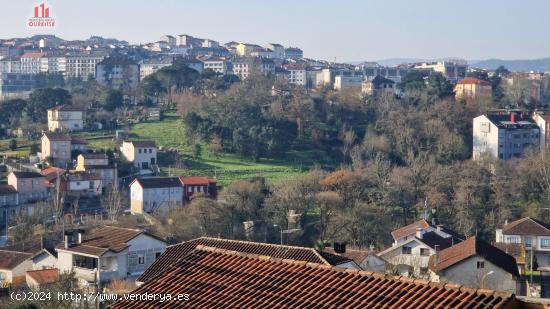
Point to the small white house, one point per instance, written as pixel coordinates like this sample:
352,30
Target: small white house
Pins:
13,266
44,259
142,154
151,194
65,118
108,253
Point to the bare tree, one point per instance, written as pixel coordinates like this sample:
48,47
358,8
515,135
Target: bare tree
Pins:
112,202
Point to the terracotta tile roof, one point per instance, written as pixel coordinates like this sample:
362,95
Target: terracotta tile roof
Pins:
27,175
409,229
67,108
57,137
471,247
515,250
32,55
356,255
218,278
176,252
103,239
10,259
44,276
474,81
197,180
51,172
526,226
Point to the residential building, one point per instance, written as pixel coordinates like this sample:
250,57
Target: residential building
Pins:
82,65
504,135
37,279
297,74
10,65
473,88
278,50
170,40
118,71
16,85
377,86
371,70
157,193
150,66
208,43
306,255
108,253
517,251
30,186
198,184
253,280
65,118
542,119
8,197
243,67
452,70
13,266
414,244
532,233
367,259
293,53
30,62
217,64
82,184
347,81
98,164
246,50
53,64
185,40
475,264
56,148
44,259
143,154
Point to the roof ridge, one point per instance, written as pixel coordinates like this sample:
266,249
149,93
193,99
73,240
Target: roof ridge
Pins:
347,270
257,243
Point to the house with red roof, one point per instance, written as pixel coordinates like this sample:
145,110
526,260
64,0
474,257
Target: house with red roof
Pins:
39,278
473,88
198,184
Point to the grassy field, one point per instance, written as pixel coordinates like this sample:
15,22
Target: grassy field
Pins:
170,133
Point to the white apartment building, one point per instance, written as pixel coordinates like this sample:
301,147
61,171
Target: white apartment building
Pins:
142,154
30,62
10,65
53,64
118,72
452,70
347,81
153,194
218,65
297,74
150,66
504,135
278,50
82,65
169,39
65,118
542,119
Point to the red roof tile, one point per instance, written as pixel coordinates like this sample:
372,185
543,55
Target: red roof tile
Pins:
474,81
44,276
176,252
217,278
196,180
526,226
473,246
10,259
409,229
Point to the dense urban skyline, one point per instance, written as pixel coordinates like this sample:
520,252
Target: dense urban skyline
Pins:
347,30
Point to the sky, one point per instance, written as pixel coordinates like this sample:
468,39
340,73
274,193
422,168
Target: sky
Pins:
345,30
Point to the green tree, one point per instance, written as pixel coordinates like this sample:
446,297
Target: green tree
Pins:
40,100
113,99
197,151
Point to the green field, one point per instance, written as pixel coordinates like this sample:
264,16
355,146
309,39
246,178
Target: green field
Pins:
170,133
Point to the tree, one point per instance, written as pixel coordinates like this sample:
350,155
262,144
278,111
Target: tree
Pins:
13,144
439,86
215,147
112,201
196,151
113,99
40,100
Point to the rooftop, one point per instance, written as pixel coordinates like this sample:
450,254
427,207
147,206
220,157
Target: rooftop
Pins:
56,137
44,276
150,144
158,182
10,259
526,226
225,279
176,252
474,81
473,246
27,174
67,108
197,180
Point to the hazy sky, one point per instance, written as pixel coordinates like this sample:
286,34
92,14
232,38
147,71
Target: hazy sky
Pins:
346,29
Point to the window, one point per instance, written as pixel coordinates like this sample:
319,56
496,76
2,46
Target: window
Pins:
424,251
157,255
139,150
406,250
513,239
189,189
84,262
141,259
545,243
527,241
480,264
150,150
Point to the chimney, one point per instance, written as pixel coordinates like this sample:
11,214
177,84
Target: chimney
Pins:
339,247
506,222
80,233
439,227
66,240
418,233
513,117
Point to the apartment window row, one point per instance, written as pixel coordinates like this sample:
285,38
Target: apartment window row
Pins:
145,150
